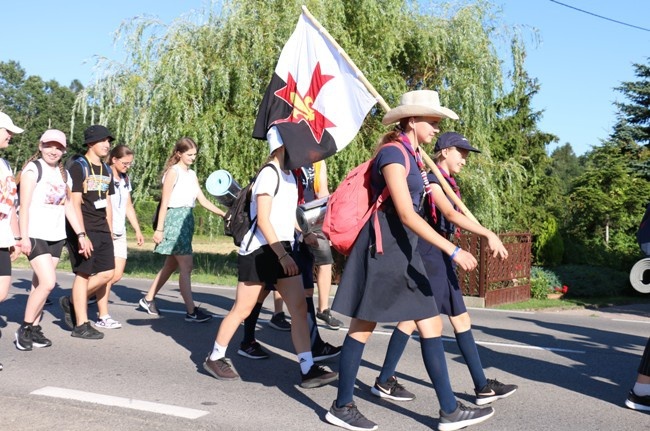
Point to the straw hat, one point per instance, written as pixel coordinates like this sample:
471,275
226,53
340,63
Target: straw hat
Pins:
418,103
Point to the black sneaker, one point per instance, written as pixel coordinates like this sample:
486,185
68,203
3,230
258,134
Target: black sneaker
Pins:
637,402
252,350
38,339
87,331
69,316
331,321
325,351
317,376
279,322
392,390
24,338
463,416
349,417
493,391
198,316
92,300
149,307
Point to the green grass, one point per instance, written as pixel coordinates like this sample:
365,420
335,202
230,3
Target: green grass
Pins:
574,303
215,262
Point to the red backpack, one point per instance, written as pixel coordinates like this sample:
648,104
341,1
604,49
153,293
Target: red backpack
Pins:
351,205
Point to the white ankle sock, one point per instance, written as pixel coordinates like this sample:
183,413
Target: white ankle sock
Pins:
218,352
306,360
642,389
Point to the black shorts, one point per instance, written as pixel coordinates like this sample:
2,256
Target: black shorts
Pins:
102,258
41,246
262,265
322,253
5,262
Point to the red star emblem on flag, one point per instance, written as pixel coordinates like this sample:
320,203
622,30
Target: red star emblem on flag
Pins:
302,104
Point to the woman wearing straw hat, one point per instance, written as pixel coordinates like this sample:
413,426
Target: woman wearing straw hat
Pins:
394,286
451,153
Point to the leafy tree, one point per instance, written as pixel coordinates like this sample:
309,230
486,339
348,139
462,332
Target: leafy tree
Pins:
636,112
207,80
35,106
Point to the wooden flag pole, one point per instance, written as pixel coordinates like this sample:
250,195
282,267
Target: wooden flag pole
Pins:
427,160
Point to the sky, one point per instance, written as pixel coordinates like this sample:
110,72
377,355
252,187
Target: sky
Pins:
577,58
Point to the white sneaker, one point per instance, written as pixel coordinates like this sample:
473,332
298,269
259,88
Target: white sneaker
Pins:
108,323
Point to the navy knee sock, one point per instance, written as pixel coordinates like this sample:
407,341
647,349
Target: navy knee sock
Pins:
468,348
433,355
250,323
349,363
396,347
314,336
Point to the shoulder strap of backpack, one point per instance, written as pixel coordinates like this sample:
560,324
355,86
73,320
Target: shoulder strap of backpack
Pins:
384,195
277,188
39,169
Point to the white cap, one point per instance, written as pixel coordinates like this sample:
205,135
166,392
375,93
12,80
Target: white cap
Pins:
6,123
274,139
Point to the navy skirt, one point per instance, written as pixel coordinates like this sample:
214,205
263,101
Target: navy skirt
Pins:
443,279
388,287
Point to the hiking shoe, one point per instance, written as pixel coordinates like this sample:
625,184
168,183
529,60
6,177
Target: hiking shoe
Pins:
463,416
325,351
317,376
197,316
392,390
349,417
637,402
493,391
69,316
24,338
87,331
108,323
149,307
221,369
279,322
38,339
331,321
252,350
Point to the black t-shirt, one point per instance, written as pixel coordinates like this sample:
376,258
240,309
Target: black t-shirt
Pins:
94,185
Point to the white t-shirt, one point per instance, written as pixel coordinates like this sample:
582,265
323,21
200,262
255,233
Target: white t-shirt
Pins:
7,199
118,202
283,208
47,208
185,190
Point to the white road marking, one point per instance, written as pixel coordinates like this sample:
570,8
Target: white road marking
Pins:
128,403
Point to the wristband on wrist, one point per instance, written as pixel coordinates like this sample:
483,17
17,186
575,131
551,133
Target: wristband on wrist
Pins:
283,256
81,234
18,238
158,230
456,250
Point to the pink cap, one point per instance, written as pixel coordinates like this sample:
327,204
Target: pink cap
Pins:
54,135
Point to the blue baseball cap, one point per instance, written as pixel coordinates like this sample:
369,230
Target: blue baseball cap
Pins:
453,139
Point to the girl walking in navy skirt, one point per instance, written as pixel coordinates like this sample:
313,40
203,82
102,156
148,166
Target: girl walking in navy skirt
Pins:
394,286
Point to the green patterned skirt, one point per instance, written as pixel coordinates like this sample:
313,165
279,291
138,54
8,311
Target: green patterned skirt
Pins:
178,232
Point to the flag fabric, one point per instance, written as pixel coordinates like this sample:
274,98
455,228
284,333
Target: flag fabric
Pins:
314,99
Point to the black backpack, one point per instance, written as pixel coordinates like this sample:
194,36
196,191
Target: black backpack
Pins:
237,221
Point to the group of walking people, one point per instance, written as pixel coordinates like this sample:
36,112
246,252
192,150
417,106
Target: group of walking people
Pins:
411,282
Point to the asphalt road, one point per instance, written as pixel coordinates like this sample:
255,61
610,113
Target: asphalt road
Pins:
574,370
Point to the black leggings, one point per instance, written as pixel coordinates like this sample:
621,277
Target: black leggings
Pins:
644,366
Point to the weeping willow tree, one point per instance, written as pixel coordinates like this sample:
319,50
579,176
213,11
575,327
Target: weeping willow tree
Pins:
204,76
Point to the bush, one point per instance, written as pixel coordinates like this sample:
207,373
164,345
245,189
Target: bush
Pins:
542,282
594,281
